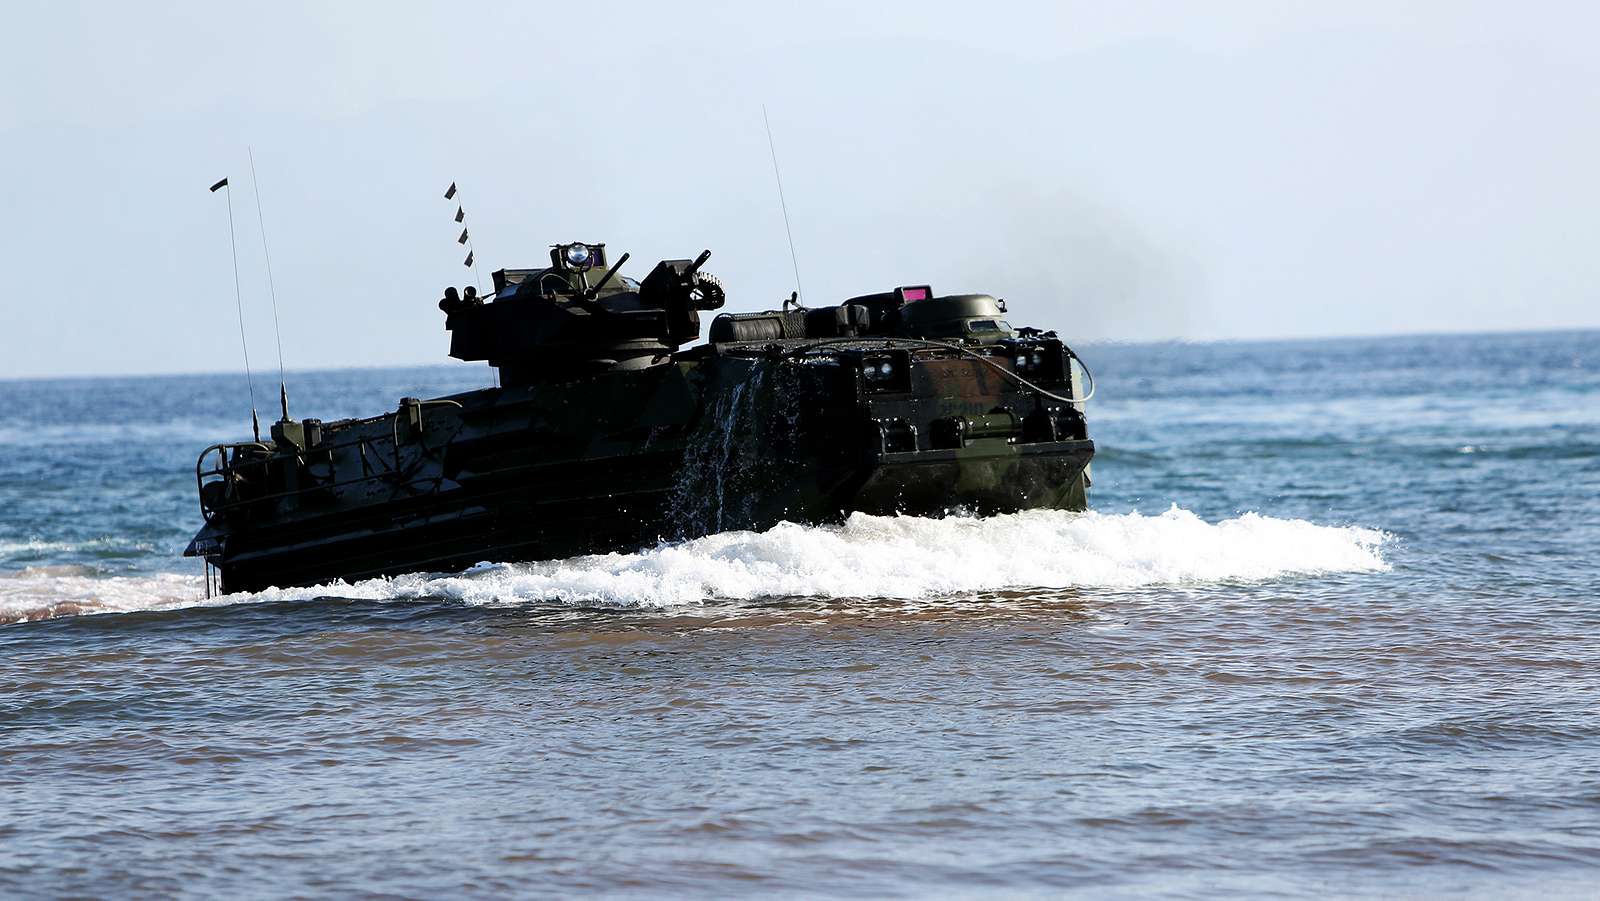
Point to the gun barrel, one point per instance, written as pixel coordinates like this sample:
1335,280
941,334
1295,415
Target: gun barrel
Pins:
605,279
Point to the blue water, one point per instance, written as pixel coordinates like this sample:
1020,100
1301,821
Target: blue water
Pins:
1333,628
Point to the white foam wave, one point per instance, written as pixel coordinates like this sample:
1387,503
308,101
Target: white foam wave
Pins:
36,547
46,592
866,557
185,431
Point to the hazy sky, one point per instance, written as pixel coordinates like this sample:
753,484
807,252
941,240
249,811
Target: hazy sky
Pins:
1115,170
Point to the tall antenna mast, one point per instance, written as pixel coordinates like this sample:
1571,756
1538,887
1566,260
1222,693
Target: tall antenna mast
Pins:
772,146
238,302
466,237
283,389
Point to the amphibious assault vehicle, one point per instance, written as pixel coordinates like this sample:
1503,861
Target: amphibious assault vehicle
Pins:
612,429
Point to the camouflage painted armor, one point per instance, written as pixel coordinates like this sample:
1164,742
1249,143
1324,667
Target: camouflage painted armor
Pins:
608,434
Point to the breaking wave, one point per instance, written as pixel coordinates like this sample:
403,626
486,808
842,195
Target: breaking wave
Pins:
897,557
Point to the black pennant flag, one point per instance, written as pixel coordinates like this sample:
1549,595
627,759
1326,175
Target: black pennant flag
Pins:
463,238
219,186
450,193
460,214
468,260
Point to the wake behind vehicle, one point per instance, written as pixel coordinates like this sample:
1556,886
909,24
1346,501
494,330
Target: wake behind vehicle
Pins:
607,433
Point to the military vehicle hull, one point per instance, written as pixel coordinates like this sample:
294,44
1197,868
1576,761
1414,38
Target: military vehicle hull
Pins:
608,435
628,459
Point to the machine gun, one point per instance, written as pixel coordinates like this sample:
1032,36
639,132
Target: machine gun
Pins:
682,290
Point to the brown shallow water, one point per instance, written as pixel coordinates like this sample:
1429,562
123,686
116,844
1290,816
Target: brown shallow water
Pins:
1255,738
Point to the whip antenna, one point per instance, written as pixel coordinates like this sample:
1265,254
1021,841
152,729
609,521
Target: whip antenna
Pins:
283,385
772,146
238,302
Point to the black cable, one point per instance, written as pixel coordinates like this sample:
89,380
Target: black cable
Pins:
924,342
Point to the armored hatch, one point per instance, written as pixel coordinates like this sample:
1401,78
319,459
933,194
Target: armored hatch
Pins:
955,316
908,312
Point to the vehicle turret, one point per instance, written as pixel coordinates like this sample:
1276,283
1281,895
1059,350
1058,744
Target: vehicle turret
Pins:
578,316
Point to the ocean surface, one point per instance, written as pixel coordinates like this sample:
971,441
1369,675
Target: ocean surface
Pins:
1333,628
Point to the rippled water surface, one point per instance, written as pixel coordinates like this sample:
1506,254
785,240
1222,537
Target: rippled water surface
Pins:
1333,629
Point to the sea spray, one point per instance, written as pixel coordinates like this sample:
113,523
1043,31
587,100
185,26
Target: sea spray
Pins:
898,557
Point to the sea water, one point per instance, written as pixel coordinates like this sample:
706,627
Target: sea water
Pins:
1333,627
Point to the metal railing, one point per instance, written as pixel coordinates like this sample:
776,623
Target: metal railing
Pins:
232,473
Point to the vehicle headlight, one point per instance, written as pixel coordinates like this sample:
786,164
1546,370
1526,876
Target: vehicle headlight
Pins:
577,255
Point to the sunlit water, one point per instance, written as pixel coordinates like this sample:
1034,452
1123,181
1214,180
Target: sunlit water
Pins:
1334,628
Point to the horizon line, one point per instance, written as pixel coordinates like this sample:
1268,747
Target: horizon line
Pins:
1117,342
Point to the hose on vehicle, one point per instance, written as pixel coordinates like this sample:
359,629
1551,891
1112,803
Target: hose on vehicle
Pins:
945,345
